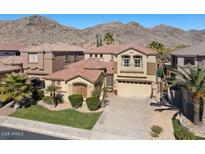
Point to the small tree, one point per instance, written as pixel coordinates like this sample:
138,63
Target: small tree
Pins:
193,79
15,86
108,38
52,90
157,46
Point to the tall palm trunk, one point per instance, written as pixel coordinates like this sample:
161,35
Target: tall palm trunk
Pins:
196,116
198,111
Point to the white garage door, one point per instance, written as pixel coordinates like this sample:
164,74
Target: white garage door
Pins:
131,89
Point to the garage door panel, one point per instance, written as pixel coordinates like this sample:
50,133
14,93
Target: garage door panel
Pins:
134,89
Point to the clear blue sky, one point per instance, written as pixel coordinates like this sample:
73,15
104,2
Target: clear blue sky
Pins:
79,21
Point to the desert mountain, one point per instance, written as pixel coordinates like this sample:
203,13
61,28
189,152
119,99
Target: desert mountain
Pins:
38,29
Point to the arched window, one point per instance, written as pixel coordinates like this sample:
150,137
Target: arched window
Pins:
126,61
137,61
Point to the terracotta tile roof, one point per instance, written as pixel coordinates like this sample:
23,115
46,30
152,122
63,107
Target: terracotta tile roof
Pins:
117,49
92,64
71,73
89,69
53,47
6,46
6,69
11,60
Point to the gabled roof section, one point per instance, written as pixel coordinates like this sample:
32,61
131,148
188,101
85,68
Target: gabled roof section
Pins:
10,46
117,49
195,50
71,73
57,47
92,64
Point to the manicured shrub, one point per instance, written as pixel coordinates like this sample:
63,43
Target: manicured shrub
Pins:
38,94
93,103
47,99
156,129
76,100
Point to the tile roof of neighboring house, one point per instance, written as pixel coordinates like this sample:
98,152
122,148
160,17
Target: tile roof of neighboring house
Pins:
11,60
71,73
92,64
117,49
9,46
198,49
89,69
52,47
7,69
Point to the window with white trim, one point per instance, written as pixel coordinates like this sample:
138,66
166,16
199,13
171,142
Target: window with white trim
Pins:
126,61
33,58
137,61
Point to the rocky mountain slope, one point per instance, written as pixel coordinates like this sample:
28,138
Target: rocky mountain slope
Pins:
37,29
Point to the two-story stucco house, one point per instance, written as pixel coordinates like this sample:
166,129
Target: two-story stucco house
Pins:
134,67
129,70
41,60
194,55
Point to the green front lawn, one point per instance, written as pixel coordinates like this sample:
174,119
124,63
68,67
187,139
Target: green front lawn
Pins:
182,133
68,117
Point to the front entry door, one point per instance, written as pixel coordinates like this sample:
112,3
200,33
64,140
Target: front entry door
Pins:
80,88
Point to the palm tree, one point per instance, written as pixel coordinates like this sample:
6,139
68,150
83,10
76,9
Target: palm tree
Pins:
159,47
15,86
192,79
108,38
52,90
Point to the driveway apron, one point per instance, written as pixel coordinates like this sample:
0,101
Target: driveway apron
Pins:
125,118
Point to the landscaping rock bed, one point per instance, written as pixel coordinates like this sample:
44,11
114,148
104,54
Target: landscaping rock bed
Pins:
198,130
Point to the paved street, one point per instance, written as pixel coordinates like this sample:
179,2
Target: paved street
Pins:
15,134
125,118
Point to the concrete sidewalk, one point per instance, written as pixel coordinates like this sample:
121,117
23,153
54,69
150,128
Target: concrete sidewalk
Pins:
45,128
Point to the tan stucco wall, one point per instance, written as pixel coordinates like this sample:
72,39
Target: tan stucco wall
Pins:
134,74
67,87
44,65
106,57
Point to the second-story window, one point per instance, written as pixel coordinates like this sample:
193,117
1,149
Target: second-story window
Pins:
91,55
96,55
126,61
66,58
101,55
137,61
33,58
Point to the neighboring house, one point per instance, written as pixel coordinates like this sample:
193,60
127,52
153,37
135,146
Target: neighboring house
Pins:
81,77
10,49
194,55
41,60
10,59
8,69
134,67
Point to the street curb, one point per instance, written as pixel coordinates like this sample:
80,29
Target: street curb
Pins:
45,128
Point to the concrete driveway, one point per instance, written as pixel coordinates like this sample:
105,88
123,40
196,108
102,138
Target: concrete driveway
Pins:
125,118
